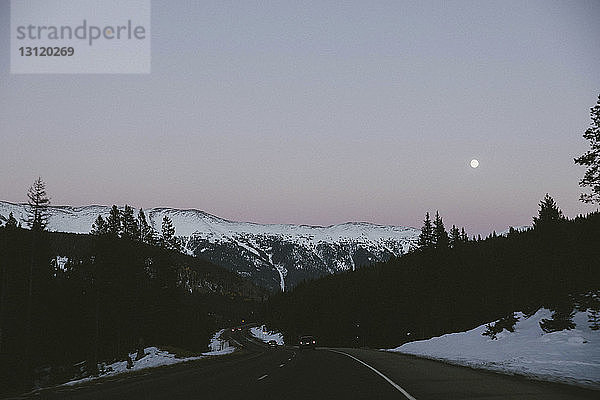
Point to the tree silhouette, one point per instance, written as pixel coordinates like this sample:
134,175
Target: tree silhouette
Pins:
37,206
144,229
11,223
99,227
168,238
562,318
549,214
426,236
129,228
114,222
591,158
440,236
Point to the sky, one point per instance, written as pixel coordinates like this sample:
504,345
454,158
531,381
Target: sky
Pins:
321,113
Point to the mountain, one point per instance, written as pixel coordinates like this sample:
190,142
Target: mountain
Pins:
273,256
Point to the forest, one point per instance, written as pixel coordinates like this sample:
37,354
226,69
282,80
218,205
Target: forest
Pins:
69,298
451,286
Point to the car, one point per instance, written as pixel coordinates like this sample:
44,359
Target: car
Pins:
272,344
307,342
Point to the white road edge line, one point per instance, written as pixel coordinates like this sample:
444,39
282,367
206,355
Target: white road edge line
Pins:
391,382
262,377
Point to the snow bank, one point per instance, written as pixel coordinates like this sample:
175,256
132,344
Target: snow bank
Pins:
261,333
569,356
219,346
155,357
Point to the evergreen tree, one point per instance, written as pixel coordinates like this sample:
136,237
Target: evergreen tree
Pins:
562,318
592,304
426,236
11,223
113,222
153,237
168,238
129,228
591,159
463,235
144,230
594,319
99,227
549,214
37,206
508,322
440,236
454,236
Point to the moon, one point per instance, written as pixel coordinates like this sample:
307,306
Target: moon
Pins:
474,163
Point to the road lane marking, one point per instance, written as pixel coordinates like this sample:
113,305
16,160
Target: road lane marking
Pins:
391,382
262,377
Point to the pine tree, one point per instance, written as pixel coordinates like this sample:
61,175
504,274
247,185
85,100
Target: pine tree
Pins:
129,229
454,237
153,237
113,222
562,318
144,230
426,236
168,238
594,319
591,159
11,223
440,236
507,322
99,227
463,235
549,214
37,206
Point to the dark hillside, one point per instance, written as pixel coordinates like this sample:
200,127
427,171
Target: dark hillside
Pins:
65,298
428,293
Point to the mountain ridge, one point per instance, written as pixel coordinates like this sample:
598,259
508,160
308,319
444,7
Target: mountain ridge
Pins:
275,256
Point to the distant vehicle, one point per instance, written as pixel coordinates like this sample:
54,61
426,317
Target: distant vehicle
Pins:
272,343
307,342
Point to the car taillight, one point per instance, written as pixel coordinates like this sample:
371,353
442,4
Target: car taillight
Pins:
314,342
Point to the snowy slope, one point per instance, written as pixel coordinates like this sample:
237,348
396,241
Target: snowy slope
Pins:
274,255
569,356
261,333
155,357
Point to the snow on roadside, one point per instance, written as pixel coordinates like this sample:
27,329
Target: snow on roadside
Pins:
569,356
219,346
261,333
155,357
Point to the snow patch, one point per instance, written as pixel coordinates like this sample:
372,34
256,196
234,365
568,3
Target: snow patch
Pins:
219,346
569,356
155,357
261,333
282,273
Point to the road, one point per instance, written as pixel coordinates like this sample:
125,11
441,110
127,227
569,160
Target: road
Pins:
257,372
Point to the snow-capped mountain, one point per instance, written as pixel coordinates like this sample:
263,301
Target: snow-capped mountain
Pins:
273,256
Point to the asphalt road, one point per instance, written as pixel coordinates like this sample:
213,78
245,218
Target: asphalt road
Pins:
257,372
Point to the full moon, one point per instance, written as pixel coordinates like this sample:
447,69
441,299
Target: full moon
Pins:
474,163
